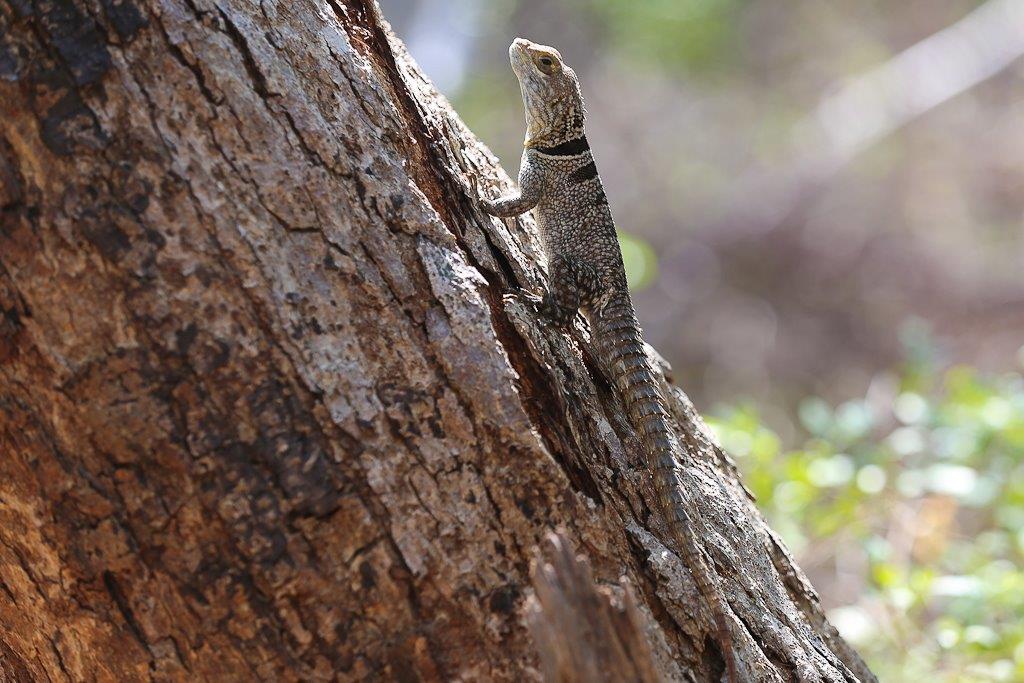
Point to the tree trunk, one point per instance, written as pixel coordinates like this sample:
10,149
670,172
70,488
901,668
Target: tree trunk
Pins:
264,412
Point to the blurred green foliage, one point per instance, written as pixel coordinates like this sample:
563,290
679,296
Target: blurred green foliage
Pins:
697,34
640,260
918,501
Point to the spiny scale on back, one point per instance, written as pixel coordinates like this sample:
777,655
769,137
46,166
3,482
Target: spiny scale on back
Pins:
558,177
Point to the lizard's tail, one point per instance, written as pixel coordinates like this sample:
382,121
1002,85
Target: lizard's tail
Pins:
622,350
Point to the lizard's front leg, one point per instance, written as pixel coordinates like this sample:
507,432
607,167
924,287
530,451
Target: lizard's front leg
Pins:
531,188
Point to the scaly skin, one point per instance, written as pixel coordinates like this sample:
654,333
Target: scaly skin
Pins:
557,176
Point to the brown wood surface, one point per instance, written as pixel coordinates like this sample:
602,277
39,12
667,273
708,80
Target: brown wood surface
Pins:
264,411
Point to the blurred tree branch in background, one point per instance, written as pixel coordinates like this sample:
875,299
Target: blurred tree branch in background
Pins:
872,106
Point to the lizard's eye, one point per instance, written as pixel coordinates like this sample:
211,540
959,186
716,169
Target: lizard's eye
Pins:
547,64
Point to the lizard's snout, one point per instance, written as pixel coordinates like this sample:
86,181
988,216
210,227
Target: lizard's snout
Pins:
517,52
518,47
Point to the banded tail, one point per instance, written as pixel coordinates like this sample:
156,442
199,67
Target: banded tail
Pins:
622,349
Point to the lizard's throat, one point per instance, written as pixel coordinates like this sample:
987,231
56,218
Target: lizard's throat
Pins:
554,130
546,136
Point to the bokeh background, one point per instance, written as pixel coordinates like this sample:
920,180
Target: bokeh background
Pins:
821,206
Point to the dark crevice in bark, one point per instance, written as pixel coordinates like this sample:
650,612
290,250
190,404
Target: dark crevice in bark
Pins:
8,592
256,76
197,72
779,660
262,87
836,651
377,49
711,658
27,569
117,594
342,67
646,583
547,416
60,659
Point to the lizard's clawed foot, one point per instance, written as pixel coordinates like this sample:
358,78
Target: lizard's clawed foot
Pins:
523,296
603,301
485,205
559,316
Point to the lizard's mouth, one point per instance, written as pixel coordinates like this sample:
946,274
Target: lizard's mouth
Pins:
519,45
517,51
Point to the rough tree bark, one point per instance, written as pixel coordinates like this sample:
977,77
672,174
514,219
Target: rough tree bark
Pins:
264,412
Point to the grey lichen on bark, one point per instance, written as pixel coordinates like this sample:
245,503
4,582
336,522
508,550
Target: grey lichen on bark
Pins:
265,412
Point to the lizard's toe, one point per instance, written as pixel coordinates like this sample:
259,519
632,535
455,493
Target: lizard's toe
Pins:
526,297
485,205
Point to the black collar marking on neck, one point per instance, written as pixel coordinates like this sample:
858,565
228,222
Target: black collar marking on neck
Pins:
567,149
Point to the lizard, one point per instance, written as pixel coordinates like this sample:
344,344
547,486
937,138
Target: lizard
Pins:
558,179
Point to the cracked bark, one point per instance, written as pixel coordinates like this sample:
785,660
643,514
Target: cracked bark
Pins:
264,412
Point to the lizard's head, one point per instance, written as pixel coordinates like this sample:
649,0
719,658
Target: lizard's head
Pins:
551,94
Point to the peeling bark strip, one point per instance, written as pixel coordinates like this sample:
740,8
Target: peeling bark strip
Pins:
583,632
264,412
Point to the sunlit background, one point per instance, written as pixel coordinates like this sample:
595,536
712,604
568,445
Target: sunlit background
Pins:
821,207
